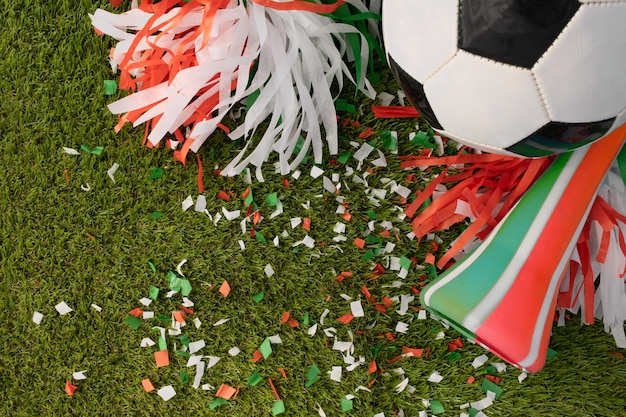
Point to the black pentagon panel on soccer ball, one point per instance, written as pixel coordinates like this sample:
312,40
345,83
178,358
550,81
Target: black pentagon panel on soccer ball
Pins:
557,137
515,32
414,91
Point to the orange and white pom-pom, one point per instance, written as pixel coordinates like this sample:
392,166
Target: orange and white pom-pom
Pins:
190,63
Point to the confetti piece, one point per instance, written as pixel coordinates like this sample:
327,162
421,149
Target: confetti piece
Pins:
255,378
70,151
80,375
200,204
258,297
156,173
402,327
95,151
480,361
69,388
335,373
196,346
111,171
436,407
166,392
225,391
345,319
37,317
234,351
487,386
522,377
63,308
220,322
316,171
269,271
266,348
346,405
161,358
187,203
133,322
147,385
435,377
357,309
109,87
146,342
278,407
224,289
217,402
312,375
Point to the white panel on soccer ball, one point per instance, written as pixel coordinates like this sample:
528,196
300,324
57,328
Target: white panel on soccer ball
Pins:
620,120
427,26
582,75
485,103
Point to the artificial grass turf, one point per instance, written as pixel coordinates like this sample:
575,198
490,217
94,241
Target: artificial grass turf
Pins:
60,243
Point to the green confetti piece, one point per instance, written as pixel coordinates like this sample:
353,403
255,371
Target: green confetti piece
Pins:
110,87
152,266
156,173
162,318
185,287
154,292
389,142
472,412
490,370
344,157
260,238
551,354
346,405
372,215
487,385
452,356
343,105
422,138
436,407
368,255
373,240
133,322
312,375
95,151
266,348
184,339
431,270
258,297
405,263
255,378
217,402
184,378
306,320
249,198
156,215
162,343
278,407
175,282
272,199
183,353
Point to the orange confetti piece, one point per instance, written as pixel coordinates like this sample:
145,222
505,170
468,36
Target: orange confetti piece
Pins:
225,391
256,356
293,323
225,289
285,183
186,310
221,195
470,380
273,389
282,372
147,385
179,316
359,243
346,216
285,317
306,224
381,308
67,177
395,359
69,388
372,368
387,301
415,352
137,312
429,259
161,358
345,319
493,378
366,133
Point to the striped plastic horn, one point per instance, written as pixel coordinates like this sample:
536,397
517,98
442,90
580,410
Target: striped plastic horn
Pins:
502,295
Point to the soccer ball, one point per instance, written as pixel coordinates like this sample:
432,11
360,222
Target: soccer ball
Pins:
519,77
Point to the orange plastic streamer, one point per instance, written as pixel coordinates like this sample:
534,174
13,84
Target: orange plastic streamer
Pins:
302,5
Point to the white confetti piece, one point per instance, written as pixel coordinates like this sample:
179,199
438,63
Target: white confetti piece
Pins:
342,346
269,271
166,392
63,308
187,202
295,222
312,330
357,309
207,387
187,302
146,301
171,293
335,373
220,322
197,322
111,171
435,377
85,187
180,264
482,404
213,360
146,342
196,346
480,361
70,151
79,375
402,327
147,315
200,204
199,374
96,307
231,215
234,351
522,377
242,245
37,317
316,171
320,411
328,185
402,385
339,228
194,360
500,367
379,415
363,152
323,316
275,340
440,335
421,315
